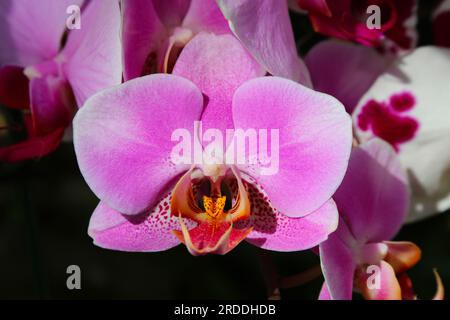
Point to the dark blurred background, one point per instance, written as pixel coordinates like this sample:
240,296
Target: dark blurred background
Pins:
45,207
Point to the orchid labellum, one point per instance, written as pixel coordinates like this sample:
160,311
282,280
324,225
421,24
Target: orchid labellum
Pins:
47,70
148,203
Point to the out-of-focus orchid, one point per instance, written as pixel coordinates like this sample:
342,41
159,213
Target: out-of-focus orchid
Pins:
372,202
394,99
46,70
351,70
123,144
408,110
441,24
348,19
155,32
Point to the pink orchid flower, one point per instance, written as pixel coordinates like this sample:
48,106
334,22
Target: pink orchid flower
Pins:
122,139
46,70
441,24
155,32
347,19
372,201
393,99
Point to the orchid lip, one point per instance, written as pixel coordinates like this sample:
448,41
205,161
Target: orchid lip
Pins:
200,197
215,203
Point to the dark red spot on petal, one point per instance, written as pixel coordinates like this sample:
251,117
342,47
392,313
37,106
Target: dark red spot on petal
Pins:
403,101
385,121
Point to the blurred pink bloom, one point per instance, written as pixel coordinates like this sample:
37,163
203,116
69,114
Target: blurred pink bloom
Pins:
123,143
47,71
351,70
155,32
372,202
392,98
347,19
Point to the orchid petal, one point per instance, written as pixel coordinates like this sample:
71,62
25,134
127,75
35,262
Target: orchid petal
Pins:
94,51
411,112
31,31
123,143
50,103
294,234
218,65
314,141
338,267
205,16
273,230
171,12
142,233
142,34
324,293
373,198
264,29
350,70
